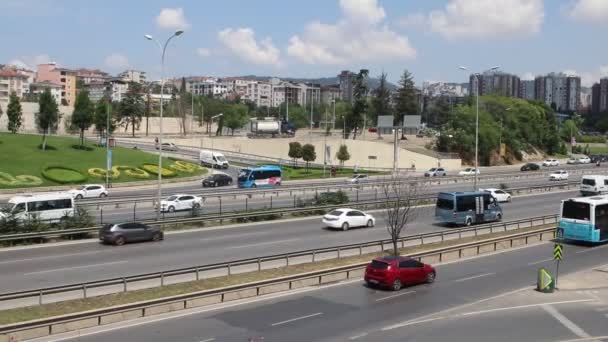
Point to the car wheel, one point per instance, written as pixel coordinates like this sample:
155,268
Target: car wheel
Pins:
509,199
345,226
370,284
254,186
78,197
171,209
469,222
370,223
196,205
103,195
430,278
397,285
214,184
119,241
498,217
229,182
157,237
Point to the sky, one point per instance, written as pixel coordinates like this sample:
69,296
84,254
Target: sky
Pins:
314,38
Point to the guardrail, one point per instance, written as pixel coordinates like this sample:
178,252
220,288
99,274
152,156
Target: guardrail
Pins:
121,284
76,321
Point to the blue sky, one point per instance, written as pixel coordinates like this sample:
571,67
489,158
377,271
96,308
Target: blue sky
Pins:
313,38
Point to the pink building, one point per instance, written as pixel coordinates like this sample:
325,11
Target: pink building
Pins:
64,77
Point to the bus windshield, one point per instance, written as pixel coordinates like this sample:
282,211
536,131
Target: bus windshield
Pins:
445,203
244,174
576,211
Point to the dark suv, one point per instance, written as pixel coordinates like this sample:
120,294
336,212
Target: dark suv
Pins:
121,233
218,179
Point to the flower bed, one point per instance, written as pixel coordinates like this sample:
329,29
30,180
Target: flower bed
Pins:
20,180
63,175
153,169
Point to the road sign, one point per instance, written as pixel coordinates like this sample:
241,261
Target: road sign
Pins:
557,252
545,282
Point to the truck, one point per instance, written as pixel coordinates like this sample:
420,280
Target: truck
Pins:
271,127
213,159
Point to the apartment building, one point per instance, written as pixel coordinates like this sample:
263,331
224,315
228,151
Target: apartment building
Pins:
330,93
98,90
88,76
526,90
11,81
493,82
66,78
599,96
40,87
346,80
117,88
559,91
133,76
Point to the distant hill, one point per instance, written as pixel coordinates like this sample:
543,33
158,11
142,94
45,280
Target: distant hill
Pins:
372,82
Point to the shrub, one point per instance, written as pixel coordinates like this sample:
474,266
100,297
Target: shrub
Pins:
10,180
132,171
48,147
63,175
82,147
101,173
186,167
153,169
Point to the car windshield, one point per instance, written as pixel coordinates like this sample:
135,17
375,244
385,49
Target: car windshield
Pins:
220,158
335,213
244,174
379,265
445,203
171,198
432,169
82,187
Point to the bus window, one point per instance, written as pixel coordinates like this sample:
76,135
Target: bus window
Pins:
465,203
601,220
444,203
576,210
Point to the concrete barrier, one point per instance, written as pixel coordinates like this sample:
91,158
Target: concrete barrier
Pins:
273,288
28,334
74,325
240,294
330,278
209,300
121,316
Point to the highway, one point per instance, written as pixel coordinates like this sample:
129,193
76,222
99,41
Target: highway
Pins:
480,299
50,265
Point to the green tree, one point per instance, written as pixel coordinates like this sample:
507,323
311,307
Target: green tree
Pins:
406,102
47,118
308,154
439,111
235,117
100,119
569,129
1,111
360,102
381,102
342,155
14,113
82,117
295,151
131,108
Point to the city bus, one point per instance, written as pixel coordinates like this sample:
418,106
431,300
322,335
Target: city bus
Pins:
467,208
263,176
48,208
584,219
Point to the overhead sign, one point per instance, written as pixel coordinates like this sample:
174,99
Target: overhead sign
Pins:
557,252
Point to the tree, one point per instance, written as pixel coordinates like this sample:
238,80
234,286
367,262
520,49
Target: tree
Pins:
14,113
295,151
1,111
342,155
82,117
131,108
100,119
381,102
405,100
400,207
360,101
47,118
235,117
308,154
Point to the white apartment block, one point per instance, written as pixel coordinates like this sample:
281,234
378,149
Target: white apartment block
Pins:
41,87
133,76
118,89
12,81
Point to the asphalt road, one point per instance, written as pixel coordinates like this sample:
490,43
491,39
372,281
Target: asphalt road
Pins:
351,311
87,261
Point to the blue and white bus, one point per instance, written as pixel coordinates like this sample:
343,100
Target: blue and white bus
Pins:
263,176
467,208
584,219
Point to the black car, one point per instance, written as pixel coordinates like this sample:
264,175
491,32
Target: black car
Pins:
530,167
218,179
121,233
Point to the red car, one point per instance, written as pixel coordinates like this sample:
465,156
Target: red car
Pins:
395,272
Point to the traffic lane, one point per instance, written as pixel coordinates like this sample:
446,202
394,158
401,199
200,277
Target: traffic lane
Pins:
351,310
91,261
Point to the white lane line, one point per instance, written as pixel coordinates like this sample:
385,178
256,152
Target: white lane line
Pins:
358,336
575,329
405,324
263,243
474,277
296,319
233,236
592,338
540,261
393,296
208,340
472,313
49,257
602,310
591,249
77,267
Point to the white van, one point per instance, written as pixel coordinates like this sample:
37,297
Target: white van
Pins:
594,185
213,159
49,208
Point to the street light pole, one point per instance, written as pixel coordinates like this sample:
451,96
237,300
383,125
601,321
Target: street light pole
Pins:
108,142
334,117
162,90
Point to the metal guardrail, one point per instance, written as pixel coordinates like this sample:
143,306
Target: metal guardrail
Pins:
257,263
60,324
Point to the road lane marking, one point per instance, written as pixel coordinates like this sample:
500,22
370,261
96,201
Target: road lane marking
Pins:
234,236
49,257
575,329
358,336
263,243
296,319
76,267
591,338
472,313
208,340
474,277
405,324
393,296
540,261
591,249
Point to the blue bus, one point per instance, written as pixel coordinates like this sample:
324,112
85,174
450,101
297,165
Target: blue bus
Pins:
584,219
263,176
467,208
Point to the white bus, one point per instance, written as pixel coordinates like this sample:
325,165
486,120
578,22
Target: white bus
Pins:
594,185
49,208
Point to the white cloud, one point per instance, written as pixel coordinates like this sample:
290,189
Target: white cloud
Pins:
527,76
488,19
203,52
359,36
415,20
31,62
588,78
116,61
172,18
241,42
18,63
589,10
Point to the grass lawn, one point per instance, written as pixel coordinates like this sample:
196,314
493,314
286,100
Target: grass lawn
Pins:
598,148
290,173
20,155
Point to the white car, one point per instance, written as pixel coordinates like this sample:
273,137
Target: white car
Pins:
559,175
180,202
346,218
551,162
469,171
573,161
89,191
358,178
168,147
500,195
584,160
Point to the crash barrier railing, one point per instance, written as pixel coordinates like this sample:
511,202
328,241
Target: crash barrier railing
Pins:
121,284
99,317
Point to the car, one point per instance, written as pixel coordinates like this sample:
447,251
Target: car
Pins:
121,233
89,191
573,161
217,179
558,175
584,160
469,171
394,272
499,194
346,218
168,147
435,171
180,202
551,162
530,167
358,178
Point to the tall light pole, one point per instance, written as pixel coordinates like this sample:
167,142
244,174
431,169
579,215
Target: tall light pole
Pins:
163,49
108,113
213,118
333,127
476,75
311,104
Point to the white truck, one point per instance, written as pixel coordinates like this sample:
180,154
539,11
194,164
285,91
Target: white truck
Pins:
594,185
213,159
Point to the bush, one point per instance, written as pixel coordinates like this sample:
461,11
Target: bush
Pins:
48,147
153,169
132,171
20,180
101,173
598,139
82,147
63,175
185,167
327,198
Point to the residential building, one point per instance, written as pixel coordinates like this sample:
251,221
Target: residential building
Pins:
559,91
347,80
64,77
585,100
599,96
11,81
133,76
330,93
526,90
434,89
40,87
494,82
595,98
117,88
88,76
97,90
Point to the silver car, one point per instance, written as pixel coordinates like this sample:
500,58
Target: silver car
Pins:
435,171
